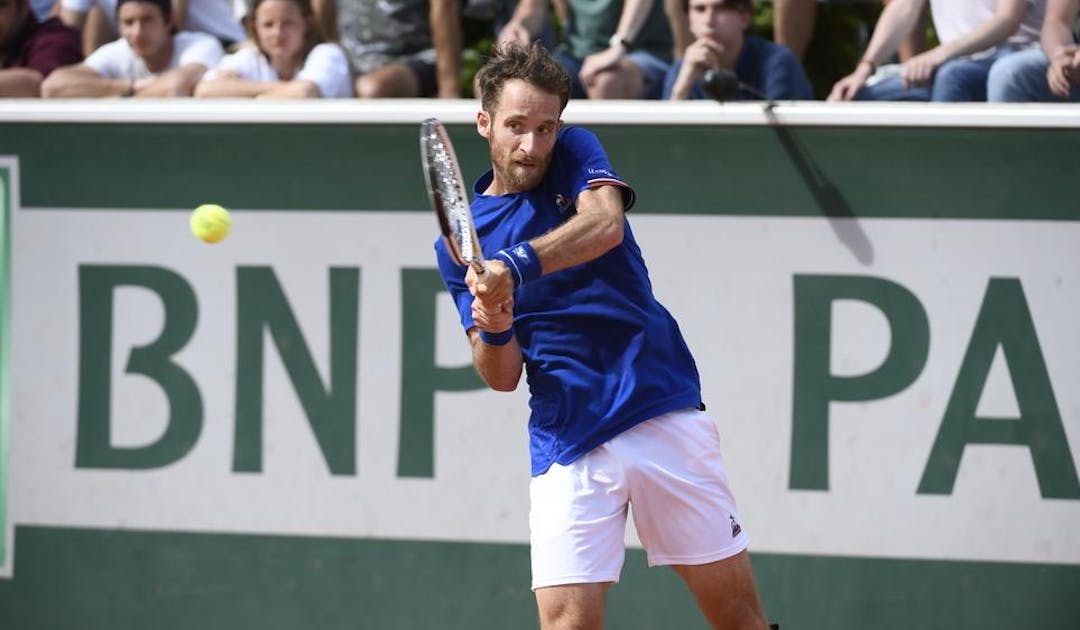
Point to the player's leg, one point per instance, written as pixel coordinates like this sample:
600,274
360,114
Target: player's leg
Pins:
686,515
572,606
725,592
577,522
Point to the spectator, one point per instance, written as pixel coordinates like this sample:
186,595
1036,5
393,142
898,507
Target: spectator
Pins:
30,50
1049,73
399,48
719,28
974,35
289,58
214,17
148,59
614,48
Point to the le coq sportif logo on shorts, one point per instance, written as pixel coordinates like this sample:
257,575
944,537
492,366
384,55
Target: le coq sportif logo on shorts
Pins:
735,527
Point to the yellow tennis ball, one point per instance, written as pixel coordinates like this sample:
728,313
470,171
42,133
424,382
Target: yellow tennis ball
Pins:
210,223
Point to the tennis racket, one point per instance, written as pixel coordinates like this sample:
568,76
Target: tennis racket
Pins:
448,197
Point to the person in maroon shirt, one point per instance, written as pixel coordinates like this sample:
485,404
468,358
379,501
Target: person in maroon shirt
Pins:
30,50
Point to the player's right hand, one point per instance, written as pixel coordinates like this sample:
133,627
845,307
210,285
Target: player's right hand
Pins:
493,319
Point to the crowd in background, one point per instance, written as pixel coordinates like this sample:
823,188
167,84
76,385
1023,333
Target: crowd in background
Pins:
979,50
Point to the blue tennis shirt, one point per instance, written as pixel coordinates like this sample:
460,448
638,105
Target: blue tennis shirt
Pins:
601,353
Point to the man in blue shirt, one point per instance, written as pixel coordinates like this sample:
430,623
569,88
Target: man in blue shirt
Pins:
720,42
615,395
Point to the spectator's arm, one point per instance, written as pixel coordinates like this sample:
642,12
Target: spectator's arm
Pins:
71,17
445,23
1057,26
326,18
1063,71
180,14
20,83
82,81
176,82
526,22
633,17
893,25
680,26
297,88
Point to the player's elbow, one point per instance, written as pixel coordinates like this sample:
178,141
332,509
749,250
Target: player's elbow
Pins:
504,385
610,231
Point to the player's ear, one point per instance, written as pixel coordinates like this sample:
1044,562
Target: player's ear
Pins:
483,124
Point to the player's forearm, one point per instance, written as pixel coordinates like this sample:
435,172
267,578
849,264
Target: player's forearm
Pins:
990,33
20,83
499,366
596,229
446,37
897,19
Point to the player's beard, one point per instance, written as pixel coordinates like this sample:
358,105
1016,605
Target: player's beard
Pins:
514,176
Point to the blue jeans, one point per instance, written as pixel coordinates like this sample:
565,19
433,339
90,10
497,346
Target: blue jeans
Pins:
1021,78
963,79
652,67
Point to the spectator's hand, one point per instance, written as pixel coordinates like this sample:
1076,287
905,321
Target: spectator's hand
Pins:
597,62
920,69
141,84
1064,70
845,89
703,54
700,56
516,33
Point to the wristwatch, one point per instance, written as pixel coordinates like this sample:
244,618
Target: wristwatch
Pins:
619,40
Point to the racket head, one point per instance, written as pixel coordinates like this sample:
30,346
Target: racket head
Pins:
446,190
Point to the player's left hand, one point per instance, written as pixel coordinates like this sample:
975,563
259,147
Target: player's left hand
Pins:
494,287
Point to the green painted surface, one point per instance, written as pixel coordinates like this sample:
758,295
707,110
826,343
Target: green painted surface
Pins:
84,579
799,171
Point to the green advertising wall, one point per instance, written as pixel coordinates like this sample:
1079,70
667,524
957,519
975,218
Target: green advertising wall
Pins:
131,578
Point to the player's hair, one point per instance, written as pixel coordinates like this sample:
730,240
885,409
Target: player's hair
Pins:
534,65
313,36
746,6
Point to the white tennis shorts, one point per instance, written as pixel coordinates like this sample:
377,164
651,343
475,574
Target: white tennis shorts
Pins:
669,469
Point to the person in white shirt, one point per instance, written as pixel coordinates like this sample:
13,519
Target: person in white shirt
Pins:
148,60
975,36
213,17
287,60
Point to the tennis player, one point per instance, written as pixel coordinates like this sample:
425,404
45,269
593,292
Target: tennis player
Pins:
617,418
